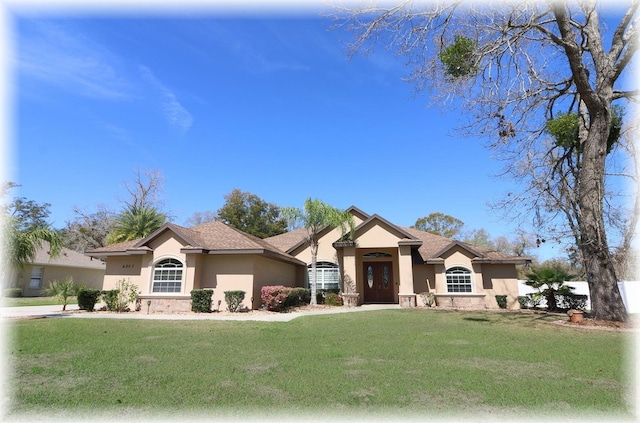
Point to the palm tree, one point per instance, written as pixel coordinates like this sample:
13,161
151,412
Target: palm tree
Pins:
23,244
62,291
314,217
135,223
549,281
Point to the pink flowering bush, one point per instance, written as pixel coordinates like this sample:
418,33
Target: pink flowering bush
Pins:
274,297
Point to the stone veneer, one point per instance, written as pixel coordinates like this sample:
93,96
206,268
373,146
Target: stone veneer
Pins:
473,301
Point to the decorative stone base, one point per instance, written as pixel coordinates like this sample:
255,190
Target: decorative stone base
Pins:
472,302
407,300
350,300
165,305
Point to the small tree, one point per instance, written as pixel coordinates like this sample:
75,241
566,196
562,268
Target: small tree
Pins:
62,291
549,281
314,217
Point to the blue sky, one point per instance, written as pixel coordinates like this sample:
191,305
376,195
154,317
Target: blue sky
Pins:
268,104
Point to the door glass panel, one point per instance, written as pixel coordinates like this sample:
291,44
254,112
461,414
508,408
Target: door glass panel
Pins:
385,276
370,276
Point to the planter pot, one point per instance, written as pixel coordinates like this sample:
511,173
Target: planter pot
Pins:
350,300
575,316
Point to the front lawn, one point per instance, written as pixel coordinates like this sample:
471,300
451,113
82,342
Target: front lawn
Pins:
33,301
412,363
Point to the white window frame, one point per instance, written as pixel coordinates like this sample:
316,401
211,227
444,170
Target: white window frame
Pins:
167,272
325,268
37,273
455,279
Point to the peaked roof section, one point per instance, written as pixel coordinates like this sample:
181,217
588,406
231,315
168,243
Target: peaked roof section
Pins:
207,238
66,258
407,238
434,246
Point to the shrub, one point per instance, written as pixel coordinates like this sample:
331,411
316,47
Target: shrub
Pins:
321,294
571,301
118,299
201,300
524,301
62,291
12,292
87,298
502,301
535,299
234,300
274,297
333,299
298,297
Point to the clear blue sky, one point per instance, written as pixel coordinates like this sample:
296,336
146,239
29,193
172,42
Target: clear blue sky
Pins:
265,103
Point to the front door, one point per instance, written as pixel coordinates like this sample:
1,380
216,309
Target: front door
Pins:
378,282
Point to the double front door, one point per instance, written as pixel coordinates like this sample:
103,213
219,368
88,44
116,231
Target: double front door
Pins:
378,282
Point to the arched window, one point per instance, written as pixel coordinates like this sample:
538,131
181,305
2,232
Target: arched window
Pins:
458,279
327,275
167,276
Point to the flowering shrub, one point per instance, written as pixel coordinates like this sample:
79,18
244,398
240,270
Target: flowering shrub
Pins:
274,297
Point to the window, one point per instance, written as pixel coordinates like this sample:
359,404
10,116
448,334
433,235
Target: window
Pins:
36,278
458,280
327,275
167,276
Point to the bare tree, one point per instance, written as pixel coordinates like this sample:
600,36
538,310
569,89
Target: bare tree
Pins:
198,218
145,190
514,66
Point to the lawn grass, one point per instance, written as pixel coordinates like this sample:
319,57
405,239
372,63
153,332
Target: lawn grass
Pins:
422,363
32,301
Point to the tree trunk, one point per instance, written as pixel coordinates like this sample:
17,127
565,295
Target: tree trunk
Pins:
314,260
606,301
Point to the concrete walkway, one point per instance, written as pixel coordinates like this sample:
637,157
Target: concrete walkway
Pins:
73,312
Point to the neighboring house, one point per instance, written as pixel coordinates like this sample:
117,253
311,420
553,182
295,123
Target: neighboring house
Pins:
34,278
385,263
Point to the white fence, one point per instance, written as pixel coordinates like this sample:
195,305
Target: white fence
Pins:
630,292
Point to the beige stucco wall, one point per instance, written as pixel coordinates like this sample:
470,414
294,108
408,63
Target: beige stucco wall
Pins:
90,278
375,236
501,279
326,252
129,268
272,272
228,273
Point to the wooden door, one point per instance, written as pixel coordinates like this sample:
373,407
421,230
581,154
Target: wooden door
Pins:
378,282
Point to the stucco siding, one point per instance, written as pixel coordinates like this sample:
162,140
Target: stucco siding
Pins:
375,236
271,272
90,278
501,279
228,273
326,252
125,267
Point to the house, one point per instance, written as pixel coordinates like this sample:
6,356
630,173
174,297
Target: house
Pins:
173,260
34,278
384,263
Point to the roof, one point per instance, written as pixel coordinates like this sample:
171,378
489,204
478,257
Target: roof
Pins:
66,258
430,247
207,238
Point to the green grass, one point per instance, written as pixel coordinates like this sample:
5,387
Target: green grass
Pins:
32,301
396,361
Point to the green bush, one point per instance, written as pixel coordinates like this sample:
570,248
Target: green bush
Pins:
12,292
321,294
298,297
524,301
333,299
118,299
234,300
502,301
201,300
87,298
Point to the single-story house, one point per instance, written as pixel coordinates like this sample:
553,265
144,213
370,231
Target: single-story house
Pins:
384,263
34,277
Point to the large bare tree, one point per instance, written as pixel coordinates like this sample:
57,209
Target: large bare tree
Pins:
515,66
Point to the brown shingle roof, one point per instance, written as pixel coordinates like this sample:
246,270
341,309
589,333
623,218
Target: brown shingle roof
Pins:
66,258
210,237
